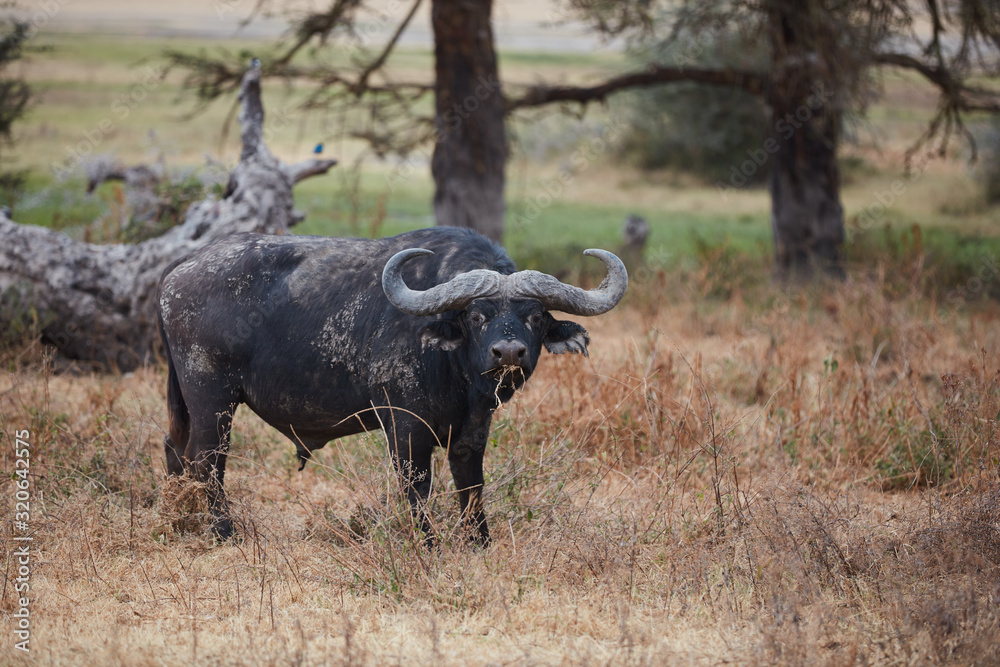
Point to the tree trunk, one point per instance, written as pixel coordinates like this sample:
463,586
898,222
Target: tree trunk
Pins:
807,218
806,214
96,303
471,150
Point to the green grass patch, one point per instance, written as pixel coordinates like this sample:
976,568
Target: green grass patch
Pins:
82,79
574,227
574,60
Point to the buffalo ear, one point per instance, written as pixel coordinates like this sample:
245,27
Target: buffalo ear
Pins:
563,337
442,335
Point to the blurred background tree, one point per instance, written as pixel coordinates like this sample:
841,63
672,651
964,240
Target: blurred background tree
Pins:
808,62
990,174
820,63
15,95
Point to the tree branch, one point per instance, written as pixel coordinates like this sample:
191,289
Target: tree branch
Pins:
956,98
251,114
376,64
303,170
956,93
935,75
752,82
215,76
321,24
96,303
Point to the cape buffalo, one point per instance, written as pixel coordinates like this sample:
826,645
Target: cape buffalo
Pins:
422,335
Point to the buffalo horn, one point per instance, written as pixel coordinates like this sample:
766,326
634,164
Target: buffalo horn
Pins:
455,294
464,288
571,300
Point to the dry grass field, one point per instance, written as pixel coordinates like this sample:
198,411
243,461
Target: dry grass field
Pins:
749,480
738,474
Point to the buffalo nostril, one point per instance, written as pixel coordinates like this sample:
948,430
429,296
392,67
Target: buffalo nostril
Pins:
509,352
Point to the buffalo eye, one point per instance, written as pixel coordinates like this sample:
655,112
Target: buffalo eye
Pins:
535,319
476,319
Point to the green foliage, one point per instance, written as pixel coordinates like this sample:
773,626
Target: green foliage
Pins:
174,199
61,206
940,263
161,207
702,129
916,459
20,320
14,92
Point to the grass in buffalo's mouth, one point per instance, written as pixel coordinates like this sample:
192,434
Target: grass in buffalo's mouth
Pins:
507,377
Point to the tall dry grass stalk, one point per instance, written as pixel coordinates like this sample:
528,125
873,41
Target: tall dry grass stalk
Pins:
783,479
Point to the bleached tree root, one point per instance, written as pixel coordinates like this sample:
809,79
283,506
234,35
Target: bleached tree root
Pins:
96,303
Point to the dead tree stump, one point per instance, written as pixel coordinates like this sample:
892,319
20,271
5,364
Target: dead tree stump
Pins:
635,233
95,303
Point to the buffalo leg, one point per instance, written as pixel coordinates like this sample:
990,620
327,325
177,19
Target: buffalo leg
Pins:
416,478
175,456
179,429
206,452
411,456
467,471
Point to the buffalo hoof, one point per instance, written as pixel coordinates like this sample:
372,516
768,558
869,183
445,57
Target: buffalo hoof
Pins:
477,539
223,530
478,534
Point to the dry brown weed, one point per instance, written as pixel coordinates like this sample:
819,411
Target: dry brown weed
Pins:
814,480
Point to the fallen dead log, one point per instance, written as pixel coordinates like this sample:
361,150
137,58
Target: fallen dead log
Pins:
95,303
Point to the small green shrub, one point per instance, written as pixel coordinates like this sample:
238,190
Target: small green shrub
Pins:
701,129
